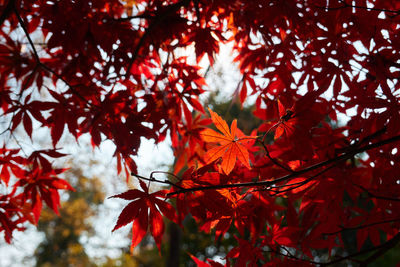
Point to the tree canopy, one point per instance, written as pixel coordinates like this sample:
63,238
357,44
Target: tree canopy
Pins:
315,183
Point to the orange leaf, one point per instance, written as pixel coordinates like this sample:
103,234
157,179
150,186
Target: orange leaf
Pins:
230,146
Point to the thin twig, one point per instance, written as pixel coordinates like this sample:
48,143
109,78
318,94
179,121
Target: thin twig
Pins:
152,179
376,196
274,160
139,16
168,173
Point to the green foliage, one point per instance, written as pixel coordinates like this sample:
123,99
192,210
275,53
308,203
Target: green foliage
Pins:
61,245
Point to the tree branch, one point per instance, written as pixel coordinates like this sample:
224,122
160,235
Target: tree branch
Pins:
45,67
297,173
298,184
381,250
361,226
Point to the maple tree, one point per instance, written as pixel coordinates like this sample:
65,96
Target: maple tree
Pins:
322,163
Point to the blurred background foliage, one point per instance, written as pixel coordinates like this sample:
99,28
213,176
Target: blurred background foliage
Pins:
62,243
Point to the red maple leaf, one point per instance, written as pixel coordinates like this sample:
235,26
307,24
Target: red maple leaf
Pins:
144,209
286,124
41,184
230,145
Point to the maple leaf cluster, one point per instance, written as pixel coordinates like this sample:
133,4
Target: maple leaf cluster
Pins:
325,76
